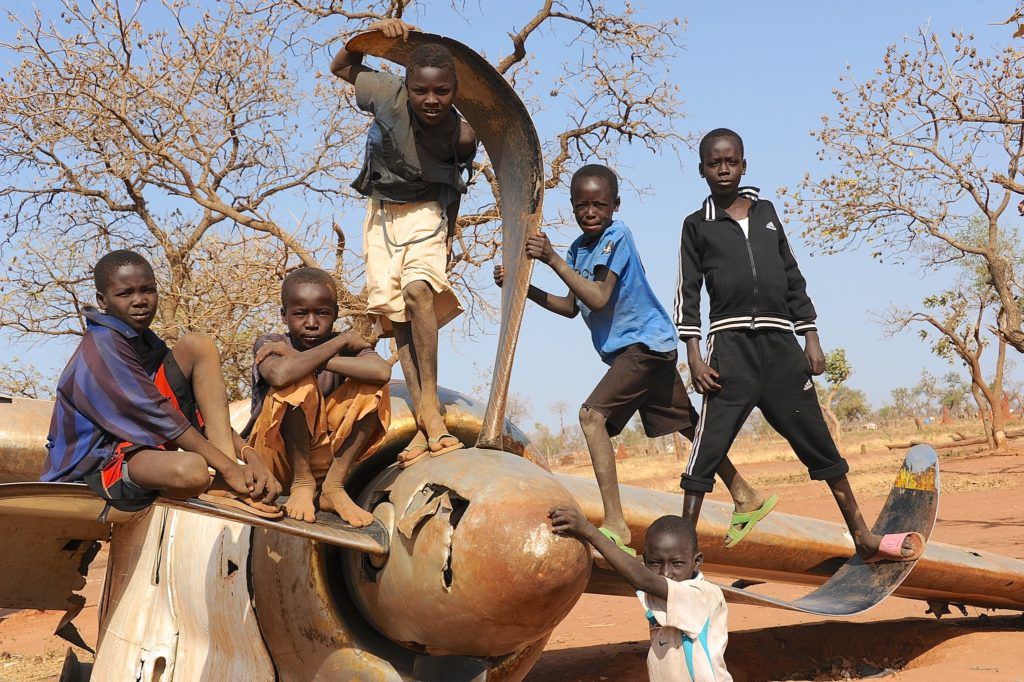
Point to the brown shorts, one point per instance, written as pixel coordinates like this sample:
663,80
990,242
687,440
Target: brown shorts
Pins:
645,381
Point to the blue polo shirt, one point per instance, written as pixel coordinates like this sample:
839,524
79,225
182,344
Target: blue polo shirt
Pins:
633,314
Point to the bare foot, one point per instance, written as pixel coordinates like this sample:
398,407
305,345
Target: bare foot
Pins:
415,449
446,443
300,504
338,501
434,428
620,529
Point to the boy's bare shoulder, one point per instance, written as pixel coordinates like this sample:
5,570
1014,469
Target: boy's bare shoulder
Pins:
466,133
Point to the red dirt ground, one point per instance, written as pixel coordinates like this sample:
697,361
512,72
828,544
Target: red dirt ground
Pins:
982,506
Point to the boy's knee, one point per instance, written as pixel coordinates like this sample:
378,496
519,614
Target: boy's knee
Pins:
417,294
592,419
190,473
287,394
197,345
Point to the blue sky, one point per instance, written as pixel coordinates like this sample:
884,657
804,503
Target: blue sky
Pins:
767,73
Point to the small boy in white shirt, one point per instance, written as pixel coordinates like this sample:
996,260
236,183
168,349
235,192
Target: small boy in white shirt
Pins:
688,615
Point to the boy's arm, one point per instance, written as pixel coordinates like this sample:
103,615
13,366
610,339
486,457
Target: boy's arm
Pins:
266,488
347,65
571,522
368,368
465,152
593,294
560,305
689,279
703,376
280,364
686,311
801,309
452,211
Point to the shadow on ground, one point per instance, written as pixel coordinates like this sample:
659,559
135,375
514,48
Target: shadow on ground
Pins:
823,651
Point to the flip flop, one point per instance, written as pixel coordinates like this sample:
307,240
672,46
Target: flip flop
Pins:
421,452
748,520
446,449
891,548
611,535
235,503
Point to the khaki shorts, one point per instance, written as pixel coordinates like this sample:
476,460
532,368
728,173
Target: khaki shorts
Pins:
406,243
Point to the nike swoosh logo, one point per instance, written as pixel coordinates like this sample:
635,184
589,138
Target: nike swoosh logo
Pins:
662,643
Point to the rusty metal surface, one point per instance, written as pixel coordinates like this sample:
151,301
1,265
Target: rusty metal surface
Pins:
504,126
43,562
177,604
68,501
314,632
24,424
328,528
856,587
474,568
464,418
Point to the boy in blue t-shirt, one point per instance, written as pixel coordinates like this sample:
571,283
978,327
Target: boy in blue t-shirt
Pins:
630,329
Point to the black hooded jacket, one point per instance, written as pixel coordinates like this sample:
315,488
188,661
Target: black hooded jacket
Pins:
754,282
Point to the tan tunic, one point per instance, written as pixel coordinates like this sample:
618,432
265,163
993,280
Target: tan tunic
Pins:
689,633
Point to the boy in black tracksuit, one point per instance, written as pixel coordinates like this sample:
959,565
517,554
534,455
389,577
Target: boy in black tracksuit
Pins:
736,245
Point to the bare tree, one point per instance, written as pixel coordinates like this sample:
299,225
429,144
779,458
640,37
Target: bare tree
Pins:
204,136
1017,18
20,380
934,139
614,90
955,324
837,371
181,141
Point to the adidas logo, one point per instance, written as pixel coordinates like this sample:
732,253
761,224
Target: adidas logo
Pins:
770,225
809,385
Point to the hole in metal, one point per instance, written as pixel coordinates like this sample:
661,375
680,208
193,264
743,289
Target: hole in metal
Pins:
459,506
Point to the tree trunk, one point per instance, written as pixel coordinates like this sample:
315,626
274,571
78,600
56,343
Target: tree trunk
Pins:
1009,321
996,399
831,419
680,447
984,414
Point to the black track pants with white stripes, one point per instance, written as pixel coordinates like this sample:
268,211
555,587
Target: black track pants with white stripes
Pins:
768,370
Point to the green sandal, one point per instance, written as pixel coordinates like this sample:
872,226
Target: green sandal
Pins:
618,541
748,520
